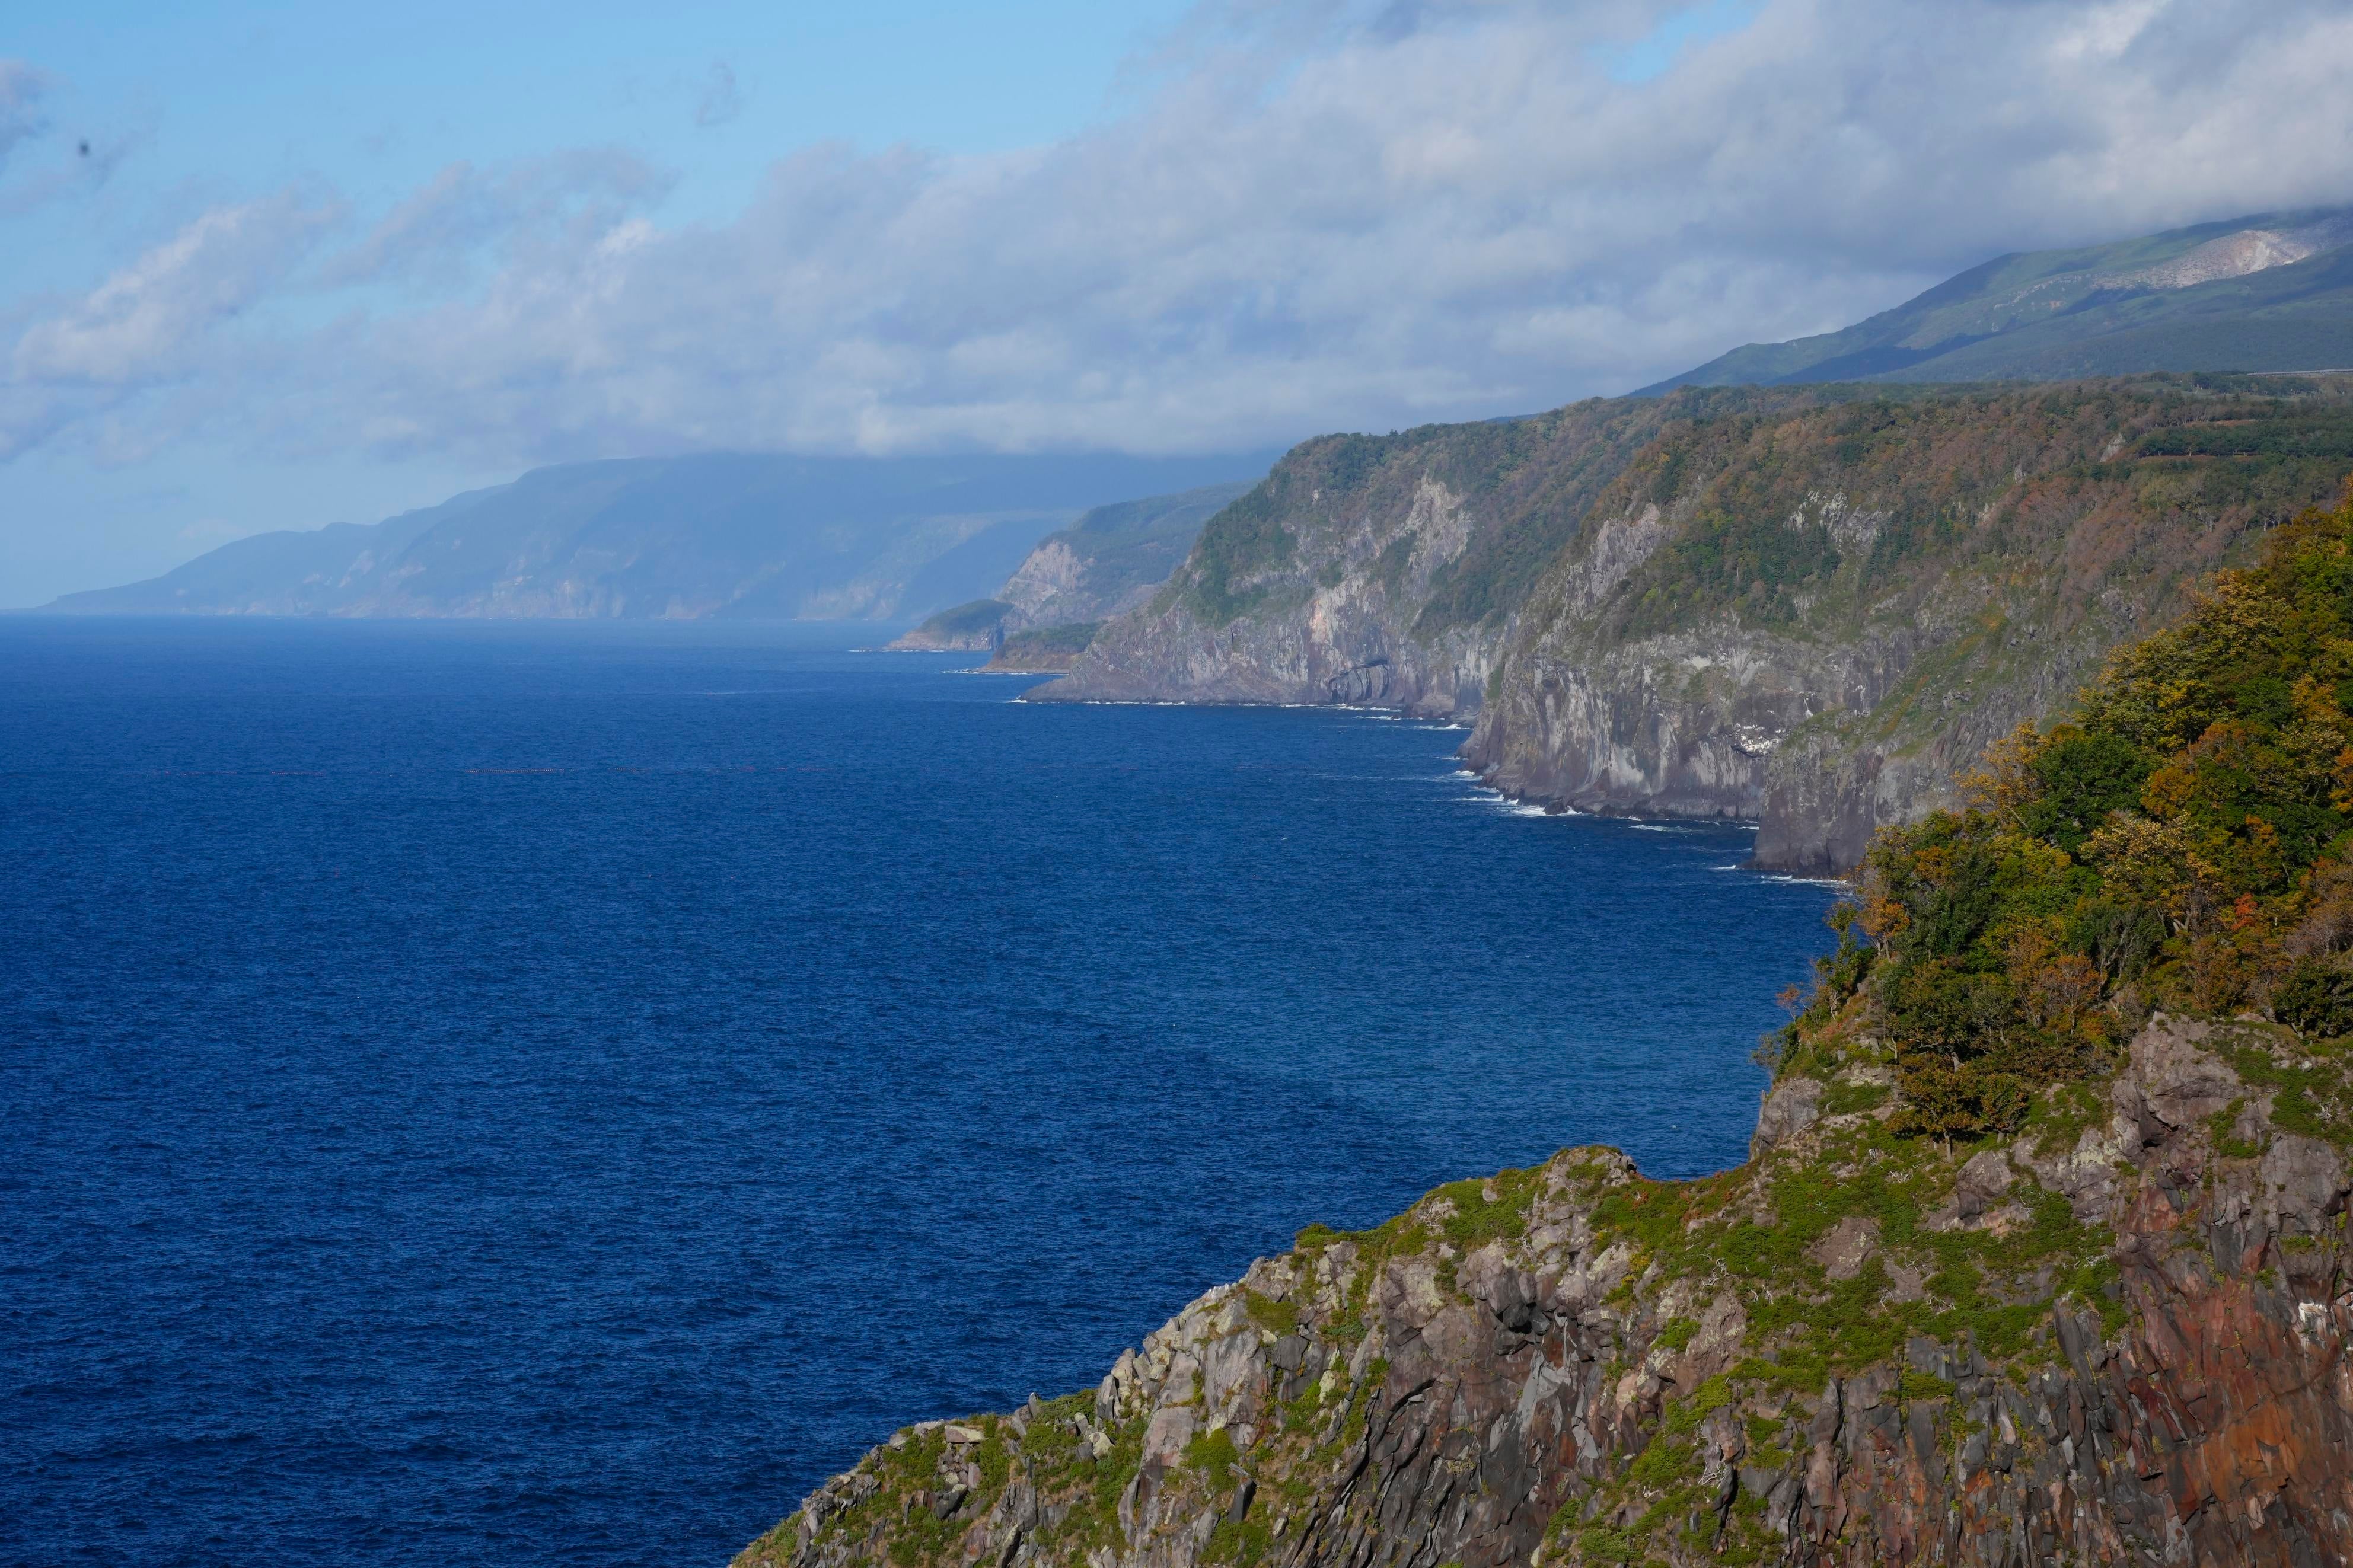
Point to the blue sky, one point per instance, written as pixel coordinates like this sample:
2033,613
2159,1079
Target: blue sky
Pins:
185,106
215,98
326,263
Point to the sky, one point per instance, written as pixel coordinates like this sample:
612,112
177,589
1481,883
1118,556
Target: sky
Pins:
273,266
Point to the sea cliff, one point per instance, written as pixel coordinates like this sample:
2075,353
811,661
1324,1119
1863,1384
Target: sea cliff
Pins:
1106,564
2039,1254
1807,606
2117,1338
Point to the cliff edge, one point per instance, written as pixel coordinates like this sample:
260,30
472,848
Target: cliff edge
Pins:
2118,1338
2039,1255
1812,606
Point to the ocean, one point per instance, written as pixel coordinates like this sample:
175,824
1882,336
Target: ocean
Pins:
541,1093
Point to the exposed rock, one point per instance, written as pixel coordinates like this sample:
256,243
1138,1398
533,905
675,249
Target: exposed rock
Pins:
1793,1105
1848,1247
1572,583
1985,1180
1107,562
1570,1390
1047,651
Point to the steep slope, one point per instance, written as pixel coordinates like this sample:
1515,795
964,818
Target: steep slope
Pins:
2040,1256
975,625
2271,291
1105,564
2108,1342
1048,650
799,538
1366,569
1805,605
1830,610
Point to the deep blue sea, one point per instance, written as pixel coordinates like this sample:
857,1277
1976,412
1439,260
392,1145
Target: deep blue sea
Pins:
522,1094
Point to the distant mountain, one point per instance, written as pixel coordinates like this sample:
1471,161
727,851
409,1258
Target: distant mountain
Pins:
2274,291
719,535
1105,564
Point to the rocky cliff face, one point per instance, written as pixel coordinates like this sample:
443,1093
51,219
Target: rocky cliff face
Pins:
1831,610
1050,650
1369,570
1811,608
1108,563
2120,1337
1349,639
975,627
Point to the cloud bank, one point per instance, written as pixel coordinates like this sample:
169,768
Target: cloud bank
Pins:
1310,217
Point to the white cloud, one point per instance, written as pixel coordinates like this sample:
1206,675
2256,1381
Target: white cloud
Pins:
1314,216
148,321
439,236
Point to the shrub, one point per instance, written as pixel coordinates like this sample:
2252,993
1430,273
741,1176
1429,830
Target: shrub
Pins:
1945,1101
2315,1000
2182,837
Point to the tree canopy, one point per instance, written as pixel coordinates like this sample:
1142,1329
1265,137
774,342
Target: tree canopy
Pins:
2184,841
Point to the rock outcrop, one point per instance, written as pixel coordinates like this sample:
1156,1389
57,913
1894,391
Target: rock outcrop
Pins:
1809,607
2118,1338
1107,562
1050,650
1369,572
975,627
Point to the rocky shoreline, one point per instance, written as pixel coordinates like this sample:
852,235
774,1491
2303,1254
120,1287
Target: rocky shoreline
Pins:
2039,1255
1572,1365
1813,607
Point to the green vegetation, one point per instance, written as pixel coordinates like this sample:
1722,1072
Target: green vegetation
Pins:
1495,1208
1704,1401
1804,512
1129,544
1218,582
1547,473
1920,1385
2090,312
1457,1218
964,620
1047,643
1275,1316
1212,1456
2182,843
2328,436
1844,1098
2311,1096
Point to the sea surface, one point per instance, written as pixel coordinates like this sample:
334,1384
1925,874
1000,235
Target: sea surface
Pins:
545,1094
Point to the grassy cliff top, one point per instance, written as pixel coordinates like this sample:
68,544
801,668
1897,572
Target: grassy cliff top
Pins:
1787,507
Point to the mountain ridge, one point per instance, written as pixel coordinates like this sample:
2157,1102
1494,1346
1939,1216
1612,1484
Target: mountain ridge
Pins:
2267,291
728,534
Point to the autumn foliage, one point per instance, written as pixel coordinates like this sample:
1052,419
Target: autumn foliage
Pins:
2184,842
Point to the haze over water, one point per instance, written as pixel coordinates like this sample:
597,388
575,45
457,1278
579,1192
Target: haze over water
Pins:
551,1093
